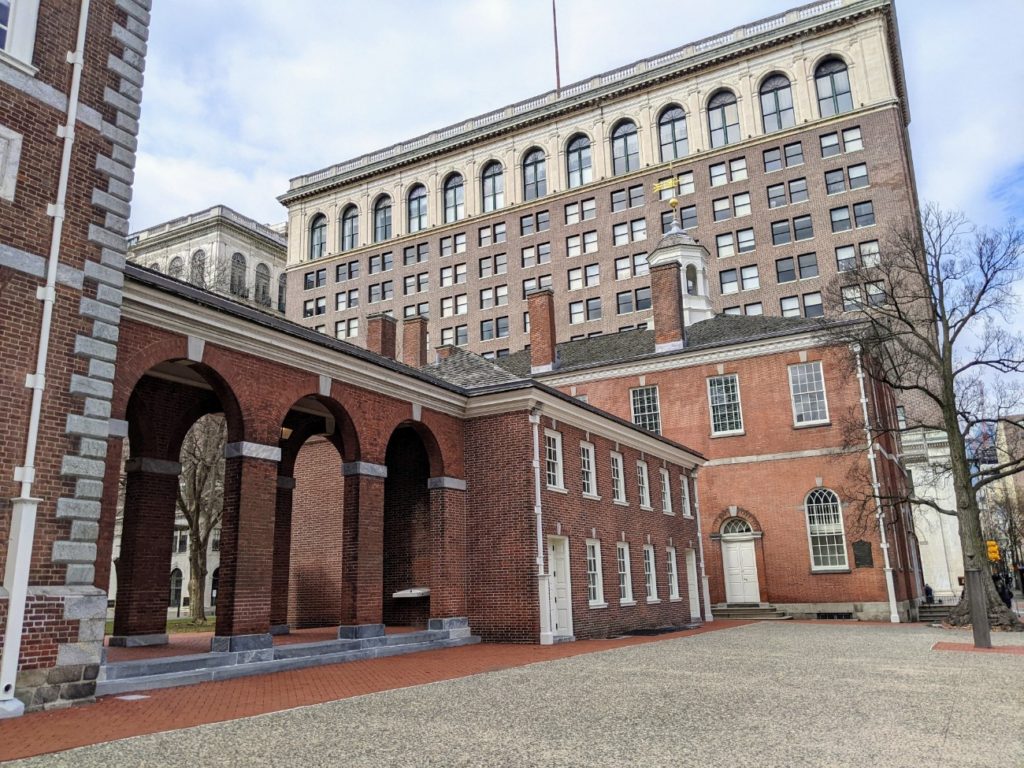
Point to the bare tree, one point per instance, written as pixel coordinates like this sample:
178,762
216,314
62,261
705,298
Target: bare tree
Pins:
935,326
201,499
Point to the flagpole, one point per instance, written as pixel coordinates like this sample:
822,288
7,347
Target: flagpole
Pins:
558,74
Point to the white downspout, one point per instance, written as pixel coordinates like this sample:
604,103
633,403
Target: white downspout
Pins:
708,616
894,614
23,516
547,637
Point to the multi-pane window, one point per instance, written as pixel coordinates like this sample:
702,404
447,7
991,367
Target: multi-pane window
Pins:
494,297
725,245
830,145
455,305
738,169
776,104
833,85
684,490
772,160
417,209
381,263
492,187
584,311
719,175
412,310
347,329
846,258
625,148
318,237
416,283
627,198
864,214
728,281
452,275
721,209
875,292
450,245
625,577
687,218
672,134
807,387
723,119
459,335
869,254
684,186
618,479
803,229
794,154
578,161
825,530
835,181
754,308
493,265
785,270
381,291
781,233
797,190
536,254
382,220
858,175
350,228
535,175
580,277
553,459
314,279
840,218
776,195
741,204
789,306
581,211
595,582
625,232
588,470
535,283
643,484
645,408
813,306
650,574
666,491
724,396
347,271
454,198
673,573
494,329
808,265
749,278
534,222
745,240
852,139
346,299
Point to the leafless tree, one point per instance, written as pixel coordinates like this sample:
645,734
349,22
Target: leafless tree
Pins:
935,323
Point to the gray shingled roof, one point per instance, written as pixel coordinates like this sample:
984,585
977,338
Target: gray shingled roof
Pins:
608,349
468,370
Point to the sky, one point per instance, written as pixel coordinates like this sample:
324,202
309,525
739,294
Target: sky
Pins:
242,95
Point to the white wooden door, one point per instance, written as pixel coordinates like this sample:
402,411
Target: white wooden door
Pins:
692,585
740,572
561,593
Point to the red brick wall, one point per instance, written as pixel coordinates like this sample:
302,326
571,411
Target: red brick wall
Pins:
45,629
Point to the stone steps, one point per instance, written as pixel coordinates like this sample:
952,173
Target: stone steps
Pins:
933,613
749,613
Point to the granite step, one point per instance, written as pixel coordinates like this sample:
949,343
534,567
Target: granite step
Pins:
171,664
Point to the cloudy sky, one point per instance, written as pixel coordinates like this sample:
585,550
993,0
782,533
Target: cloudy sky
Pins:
242,95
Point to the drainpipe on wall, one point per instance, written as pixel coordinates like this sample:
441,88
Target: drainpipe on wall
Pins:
24,506
543,587
708,616
894,614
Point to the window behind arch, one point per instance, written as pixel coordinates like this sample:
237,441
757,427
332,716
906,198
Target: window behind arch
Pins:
175,596
578,162
350,228
282,291
176,267
454,198
777,104
825,529
263,285
832,80
672,132
197,269
382,220
625,148
735,525
492,187
535,175
318,237
237,284
723,119
417,208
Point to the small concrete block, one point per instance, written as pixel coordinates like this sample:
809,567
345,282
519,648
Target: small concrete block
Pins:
80,690
85,607
86,427
70,674
12,707
452,622
136,641
90,671
92,448
45,694
76,466
84,530
79,653
74,552
105,331
360,631
251,657
88,489
91,629
81,509
237,643
94,407
81,574
82,385
110,295
454,634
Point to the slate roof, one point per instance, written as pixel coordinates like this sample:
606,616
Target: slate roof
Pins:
468,370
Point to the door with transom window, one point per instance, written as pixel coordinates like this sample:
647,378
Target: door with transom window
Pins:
739,562
561,591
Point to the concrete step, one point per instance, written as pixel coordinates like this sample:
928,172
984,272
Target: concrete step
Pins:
172,664
330,647
749,612
932,613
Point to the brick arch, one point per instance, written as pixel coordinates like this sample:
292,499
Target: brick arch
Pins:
435,455
132,368
345,437
745,514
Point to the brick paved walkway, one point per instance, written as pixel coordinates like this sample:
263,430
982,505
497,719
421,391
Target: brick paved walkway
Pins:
113,717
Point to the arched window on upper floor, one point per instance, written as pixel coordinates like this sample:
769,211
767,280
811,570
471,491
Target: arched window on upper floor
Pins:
176,267
492,186
825,530
349,228
672,133
832,80
454,198
535,174
282,292
723,118
318,237
625,148
197,269
777,104
382,219
417,209
263,285
174,599
578,161
238,275
155,266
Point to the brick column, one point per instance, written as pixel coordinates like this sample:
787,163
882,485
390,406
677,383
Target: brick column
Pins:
247,548
667,302
362,559
282,556
447,547
144,563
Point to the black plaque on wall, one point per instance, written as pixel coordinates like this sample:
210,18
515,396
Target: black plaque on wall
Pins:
862,555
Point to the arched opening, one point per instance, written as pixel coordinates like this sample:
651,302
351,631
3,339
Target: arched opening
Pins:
832,81
318,237
175,598
535,175
350,228
691,280
578,161
197,269
214,585
454,198
282,292
263,285
723,118
739,562
492,187
382,219
238,276
776,104
176,267
625,148
672,133
417,208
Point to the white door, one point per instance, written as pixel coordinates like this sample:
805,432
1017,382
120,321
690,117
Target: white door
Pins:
691,583
561,594
740,572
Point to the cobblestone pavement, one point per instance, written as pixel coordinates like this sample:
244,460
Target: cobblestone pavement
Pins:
766,694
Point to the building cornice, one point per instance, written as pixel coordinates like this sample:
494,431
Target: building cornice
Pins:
219,216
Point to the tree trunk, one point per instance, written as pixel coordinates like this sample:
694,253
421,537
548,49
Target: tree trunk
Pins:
197,579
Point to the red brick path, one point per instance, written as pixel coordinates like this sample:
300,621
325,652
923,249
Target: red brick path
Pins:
112,718
1015,650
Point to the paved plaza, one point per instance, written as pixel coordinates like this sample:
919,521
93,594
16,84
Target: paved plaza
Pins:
766,694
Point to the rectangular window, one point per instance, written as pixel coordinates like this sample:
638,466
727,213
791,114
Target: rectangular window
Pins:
499,232
618,479
573,246
780,232
594,308
729,281
624,303
851,298
589,242
553,459
852,139
807,388
772,160
864,214
846,258
802,228
595,583
835,181
640,265
486,330
830,145
724,396
738,168
785,270
650,574
725,245
684,490
858,176
753,309
486,238
625,577
673,574
588,478
776,195
794,154
789,306
643,485
543,221
840,218
666,492
667,217
620,234
798,190
741,204
638,230
808,263
688,217
645,408
718,175
745,240
526,225
869,254
749,278
643,299
875,292
825,530
813,306
576,312
720,209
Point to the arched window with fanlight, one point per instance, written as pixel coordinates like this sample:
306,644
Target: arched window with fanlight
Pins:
197,269
417,208
176,267
832,80
578,161
825,530
736,526
492,187
625,148
175,596
723,118
350,228
777,104
382,219
535,174
238,275
454,198
318,237
263,285
672,133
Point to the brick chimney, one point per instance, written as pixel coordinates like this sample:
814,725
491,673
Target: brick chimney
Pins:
414,341
680,293
667,302
543,352
381,334
445,351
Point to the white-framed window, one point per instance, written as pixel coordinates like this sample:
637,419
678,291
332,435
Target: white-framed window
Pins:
807,387
625,576
684,487
666,492
673,573
825,533
726,411
553,459
646,409
595,580
18,29
650,574
618,479
588,470
643,484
